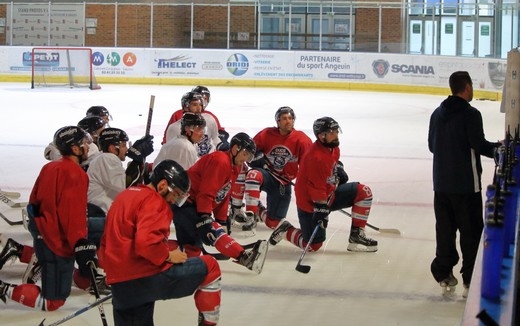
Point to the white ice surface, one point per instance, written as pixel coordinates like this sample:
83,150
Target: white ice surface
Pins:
384,145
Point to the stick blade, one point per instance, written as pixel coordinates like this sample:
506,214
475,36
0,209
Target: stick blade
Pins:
393,231
41,324
303,268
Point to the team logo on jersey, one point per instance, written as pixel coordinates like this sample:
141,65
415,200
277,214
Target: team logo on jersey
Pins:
222,193
279,156
204,146
380,67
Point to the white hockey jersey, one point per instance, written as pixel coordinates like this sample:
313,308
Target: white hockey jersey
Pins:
210,141
179,149
107,179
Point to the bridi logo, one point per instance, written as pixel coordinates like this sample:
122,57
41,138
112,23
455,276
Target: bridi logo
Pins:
380,67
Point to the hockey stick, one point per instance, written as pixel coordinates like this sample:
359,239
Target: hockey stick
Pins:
78,312
10,222
150,113
11,203
140,175
306,268
96,292
11,194
382,230
216,255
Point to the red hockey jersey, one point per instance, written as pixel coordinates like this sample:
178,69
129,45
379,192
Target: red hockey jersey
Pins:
316,180
211,178
60,192
134,243
284,152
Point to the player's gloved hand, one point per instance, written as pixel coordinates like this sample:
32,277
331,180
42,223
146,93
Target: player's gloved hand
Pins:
134,173
341,173
223,146
321,214
141,148
85,252
205,228
223,135
259,161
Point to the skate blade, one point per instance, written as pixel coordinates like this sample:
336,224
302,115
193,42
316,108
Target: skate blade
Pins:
356,247
258,264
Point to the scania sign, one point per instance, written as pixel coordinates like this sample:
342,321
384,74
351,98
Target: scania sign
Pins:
413,69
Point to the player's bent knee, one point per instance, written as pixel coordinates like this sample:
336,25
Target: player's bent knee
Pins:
316,246
363,193
271,223
52,305
212,279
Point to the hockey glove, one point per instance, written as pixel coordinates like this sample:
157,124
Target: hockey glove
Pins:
205,229
223,146
259,161
141,149
341,174
134,173
223,135
85,252
321,214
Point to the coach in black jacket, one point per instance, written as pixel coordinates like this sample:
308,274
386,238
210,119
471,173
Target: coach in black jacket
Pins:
456,139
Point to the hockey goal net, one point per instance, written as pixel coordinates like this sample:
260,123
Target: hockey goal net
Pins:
62,66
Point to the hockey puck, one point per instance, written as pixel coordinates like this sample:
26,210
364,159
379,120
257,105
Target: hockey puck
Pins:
140,115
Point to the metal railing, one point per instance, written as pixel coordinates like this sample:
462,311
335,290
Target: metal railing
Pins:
364,26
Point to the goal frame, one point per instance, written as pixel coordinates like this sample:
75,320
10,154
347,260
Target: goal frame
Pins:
92,84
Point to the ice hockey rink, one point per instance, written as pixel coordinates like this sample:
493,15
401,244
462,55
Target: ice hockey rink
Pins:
383,145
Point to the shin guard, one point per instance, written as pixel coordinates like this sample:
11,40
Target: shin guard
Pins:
207,296
362,205
254,181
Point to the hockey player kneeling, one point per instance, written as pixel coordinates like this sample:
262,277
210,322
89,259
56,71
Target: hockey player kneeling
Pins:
211,178
321,187
141,265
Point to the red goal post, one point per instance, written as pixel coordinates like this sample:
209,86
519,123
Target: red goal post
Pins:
62,67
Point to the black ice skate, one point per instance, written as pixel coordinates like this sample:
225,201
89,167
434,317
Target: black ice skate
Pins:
254,259
244,221
261,213
448,285
11,251
33,272
102,286
279,233
3,290
359,242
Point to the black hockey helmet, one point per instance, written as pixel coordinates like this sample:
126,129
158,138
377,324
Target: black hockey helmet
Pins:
324,124
284,110
66,137
192,119
244,142
202,90
98,111
91,124
175,176
191,96
111,136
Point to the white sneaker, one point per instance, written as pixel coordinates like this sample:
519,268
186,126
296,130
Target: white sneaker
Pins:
465,291
448,285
